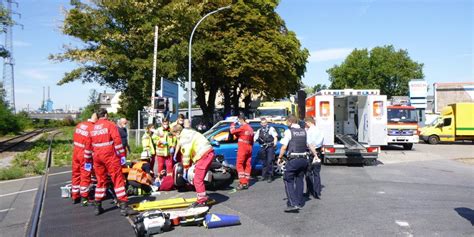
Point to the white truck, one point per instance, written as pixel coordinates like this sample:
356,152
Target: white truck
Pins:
353,122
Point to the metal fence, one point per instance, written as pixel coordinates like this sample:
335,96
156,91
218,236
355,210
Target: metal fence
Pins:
135,136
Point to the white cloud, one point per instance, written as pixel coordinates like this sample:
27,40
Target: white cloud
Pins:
324,55
19,43
35,74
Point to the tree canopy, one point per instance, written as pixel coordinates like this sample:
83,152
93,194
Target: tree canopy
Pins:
381,68
243,50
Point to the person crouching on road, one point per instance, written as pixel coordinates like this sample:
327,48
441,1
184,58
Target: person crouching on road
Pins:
82,162
314,141
165,145
140,174
148,144
244,152
197,150
104,141
267,137
294,145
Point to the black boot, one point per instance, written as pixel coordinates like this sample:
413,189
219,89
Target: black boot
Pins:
76,200
125,210
98,208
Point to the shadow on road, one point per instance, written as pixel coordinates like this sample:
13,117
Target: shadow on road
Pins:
393,148
219,197
467,213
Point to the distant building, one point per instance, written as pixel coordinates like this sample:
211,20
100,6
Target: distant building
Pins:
109,101
452,92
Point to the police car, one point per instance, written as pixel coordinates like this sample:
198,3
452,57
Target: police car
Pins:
225,144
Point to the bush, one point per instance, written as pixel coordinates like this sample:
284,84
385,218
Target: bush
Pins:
11,173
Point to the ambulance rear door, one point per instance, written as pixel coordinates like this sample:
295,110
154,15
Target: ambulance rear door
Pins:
377,120
324,116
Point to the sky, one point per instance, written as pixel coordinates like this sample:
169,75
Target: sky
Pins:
437,33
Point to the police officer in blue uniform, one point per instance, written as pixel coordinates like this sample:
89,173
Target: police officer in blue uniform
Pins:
267,137
294,145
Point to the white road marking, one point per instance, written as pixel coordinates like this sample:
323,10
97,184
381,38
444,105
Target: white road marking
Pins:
5,210
34,177
14,180
64,172
402,223
407,231
381,192
14,193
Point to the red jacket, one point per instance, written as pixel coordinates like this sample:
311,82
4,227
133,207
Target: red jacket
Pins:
244,133
104,140
80,138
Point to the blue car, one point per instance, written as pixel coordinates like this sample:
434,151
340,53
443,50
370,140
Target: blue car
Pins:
226,145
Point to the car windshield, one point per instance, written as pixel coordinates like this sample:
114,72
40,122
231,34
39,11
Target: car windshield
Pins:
271,112
402,115
212,130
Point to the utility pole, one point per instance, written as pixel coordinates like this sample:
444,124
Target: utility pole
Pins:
9,61
153,86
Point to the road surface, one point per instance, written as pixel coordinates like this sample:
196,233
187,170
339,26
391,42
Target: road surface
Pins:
424,192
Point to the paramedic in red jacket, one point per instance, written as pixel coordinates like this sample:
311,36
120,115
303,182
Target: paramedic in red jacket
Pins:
244,134
81,175
109,154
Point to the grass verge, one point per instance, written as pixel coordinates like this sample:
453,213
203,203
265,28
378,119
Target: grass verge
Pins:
32,162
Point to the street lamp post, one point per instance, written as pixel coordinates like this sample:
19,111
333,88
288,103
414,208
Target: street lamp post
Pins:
190,88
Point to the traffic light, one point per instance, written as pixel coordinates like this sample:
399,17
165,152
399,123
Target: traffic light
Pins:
160,104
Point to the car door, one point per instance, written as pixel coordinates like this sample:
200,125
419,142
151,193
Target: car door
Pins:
256,161
226,144
280,129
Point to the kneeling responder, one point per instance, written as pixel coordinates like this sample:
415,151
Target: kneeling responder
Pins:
104,141
195,148
139,176
294,141
81,162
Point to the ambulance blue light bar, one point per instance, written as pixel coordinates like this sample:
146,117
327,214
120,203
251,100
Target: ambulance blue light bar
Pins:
349,92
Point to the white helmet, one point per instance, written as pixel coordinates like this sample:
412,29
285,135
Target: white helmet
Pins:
144,155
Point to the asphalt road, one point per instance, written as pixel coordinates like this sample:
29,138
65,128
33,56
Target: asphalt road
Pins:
16,202
423,192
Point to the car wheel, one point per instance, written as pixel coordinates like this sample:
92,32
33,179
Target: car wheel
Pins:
279,166
433,140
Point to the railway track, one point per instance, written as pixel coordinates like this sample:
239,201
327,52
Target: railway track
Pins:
12,142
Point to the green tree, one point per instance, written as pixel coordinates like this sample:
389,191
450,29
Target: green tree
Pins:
381,68
184,105
92,107
319,87
8,121
245,50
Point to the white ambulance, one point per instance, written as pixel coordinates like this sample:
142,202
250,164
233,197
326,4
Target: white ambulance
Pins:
353,122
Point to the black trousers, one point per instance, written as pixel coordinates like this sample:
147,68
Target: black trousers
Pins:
266,156
144,187
294,184
313,180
